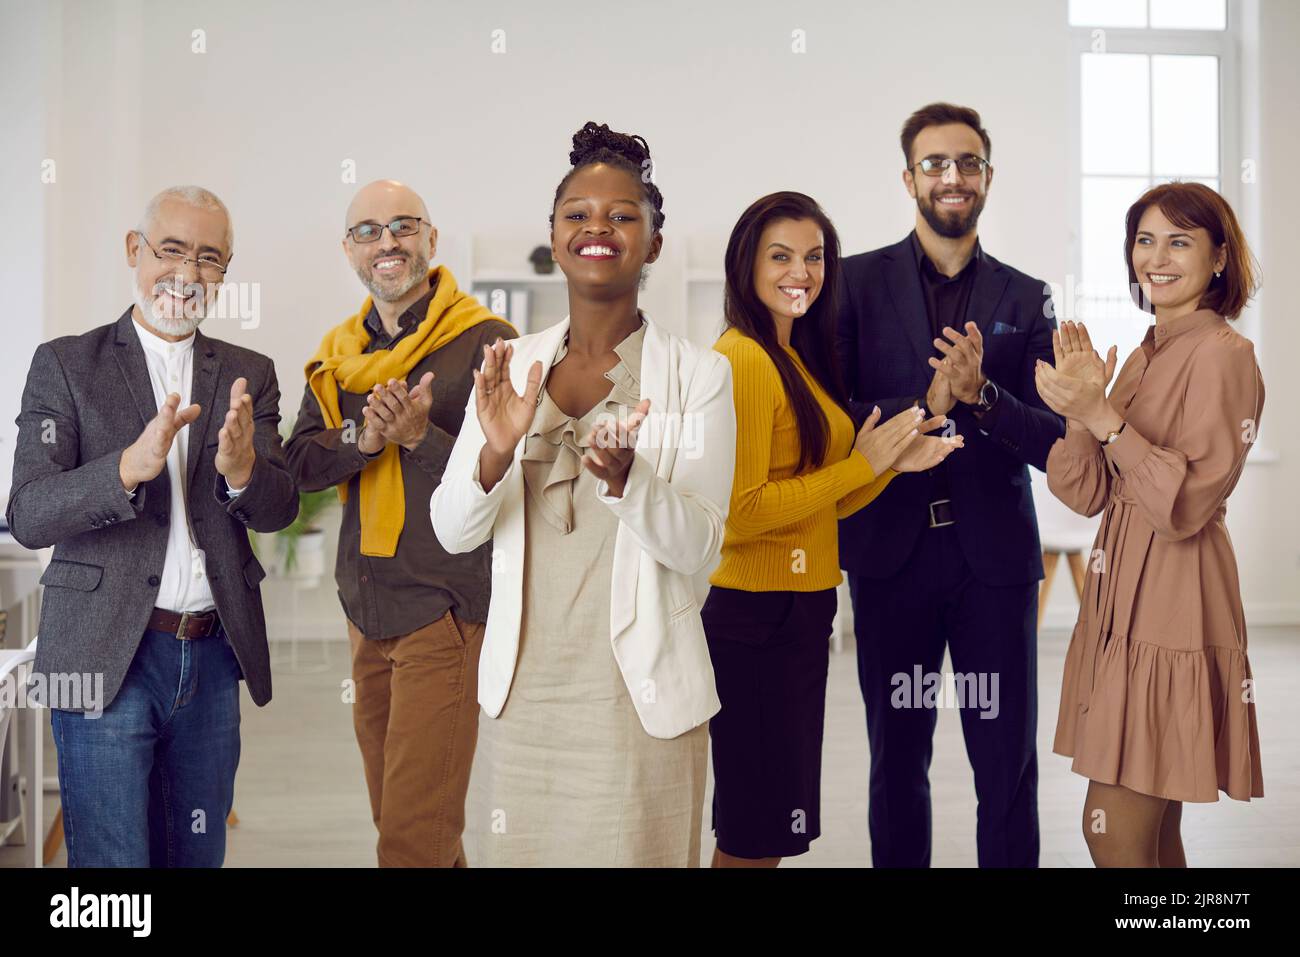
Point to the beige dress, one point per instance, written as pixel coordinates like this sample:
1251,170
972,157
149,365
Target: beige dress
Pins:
566,775
1157,695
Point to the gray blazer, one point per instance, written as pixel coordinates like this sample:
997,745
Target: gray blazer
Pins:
87,398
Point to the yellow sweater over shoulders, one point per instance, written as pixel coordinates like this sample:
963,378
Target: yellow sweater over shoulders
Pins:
781,530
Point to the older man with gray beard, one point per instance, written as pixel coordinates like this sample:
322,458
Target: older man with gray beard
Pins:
146,450
385,397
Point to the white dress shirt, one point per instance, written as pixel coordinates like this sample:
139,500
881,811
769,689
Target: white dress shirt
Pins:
184,584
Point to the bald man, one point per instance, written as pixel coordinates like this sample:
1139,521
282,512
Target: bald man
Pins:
146,450
385,397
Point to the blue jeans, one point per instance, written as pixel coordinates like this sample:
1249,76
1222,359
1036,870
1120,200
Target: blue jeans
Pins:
150,782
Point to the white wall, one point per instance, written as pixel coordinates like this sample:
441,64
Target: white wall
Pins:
24,60
287,92
1263,516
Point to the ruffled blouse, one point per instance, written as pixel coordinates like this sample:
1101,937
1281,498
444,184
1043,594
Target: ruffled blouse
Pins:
556,441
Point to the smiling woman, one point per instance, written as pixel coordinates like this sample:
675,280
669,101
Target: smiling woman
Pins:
600,150
595,678
1157,699
1177,235
801,464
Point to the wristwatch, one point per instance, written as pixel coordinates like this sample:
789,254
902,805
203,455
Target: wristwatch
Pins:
989,395
1113,436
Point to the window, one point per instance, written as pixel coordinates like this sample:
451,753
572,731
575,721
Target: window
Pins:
1148,82
1158,14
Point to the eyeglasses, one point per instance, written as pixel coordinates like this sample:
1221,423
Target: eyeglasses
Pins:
371,232
968,165
207,264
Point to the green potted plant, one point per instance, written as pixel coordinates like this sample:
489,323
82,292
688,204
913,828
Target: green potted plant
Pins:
297,551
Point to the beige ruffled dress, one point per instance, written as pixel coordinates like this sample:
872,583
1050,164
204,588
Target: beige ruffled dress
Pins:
566,775
1157,694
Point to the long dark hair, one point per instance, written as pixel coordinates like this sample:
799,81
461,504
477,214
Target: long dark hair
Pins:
813,333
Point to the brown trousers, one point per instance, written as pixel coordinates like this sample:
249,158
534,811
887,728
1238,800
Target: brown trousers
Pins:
416,719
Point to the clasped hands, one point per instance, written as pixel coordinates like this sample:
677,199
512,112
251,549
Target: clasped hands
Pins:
146,457
393,413
1076,386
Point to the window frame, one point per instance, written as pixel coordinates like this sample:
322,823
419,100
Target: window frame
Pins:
1224,45
1234,130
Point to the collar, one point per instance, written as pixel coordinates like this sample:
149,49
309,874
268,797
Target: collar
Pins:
159,346
921,259
412,317
1162,333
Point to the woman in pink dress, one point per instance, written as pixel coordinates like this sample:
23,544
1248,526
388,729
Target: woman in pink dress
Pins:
1157,704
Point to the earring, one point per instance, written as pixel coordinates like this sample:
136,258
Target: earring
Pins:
1217,274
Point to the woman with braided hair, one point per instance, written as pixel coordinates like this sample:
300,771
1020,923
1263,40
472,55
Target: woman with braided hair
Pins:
598,455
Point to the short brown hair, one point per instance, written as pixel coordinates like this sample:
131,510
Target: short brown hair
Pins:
1192,206
940,114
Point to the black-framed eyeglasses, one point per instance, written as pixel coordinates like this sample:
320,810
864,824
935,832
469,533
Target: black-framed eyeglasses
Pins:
371,232
968,165
208,264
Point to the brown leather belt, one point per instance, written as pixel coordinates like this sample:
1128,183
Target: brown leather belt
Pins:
186,624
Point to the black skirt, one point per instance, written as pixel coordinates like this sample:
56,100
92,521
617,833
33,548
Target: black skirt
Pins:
770,652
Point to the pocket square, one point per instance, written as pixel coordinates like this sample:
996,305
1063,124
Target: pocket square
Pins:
1003,328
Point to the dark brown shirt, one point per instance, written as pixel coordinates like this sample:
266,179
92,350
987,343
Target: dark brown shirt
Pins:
387,597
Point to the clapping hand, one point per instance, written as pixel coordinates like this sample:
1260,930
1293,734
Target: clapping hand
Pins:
1075,356
927,451
1076,386
146,457
394,414
235,453
962,362
882,446
611,447
503,414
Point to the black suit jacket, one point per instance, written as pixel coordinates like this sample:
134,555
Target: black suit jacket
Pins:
87,398
883,342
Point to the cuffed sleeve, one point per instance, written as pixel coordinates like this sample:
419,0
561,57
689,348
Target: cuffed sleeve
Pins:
318,457
53,497
462,514
1077,473
269,502
859,498
432,452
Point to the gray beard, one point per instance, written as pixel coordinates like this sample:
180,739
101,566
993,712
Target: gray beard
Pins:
183,326
419,272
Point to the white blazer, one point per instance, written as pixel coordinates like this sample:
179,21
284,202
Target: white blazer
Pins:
671,520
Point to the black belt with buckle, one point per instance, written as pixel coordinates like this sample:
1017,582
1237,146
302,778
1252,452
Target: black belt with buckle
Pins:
941,513
185,624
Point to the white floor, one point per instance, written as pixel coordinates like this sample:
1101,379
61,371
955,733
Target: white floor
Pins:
301,800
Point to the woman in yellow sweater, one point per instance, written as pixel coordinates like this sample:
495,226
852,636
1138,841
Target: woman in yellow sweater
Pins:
799,468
